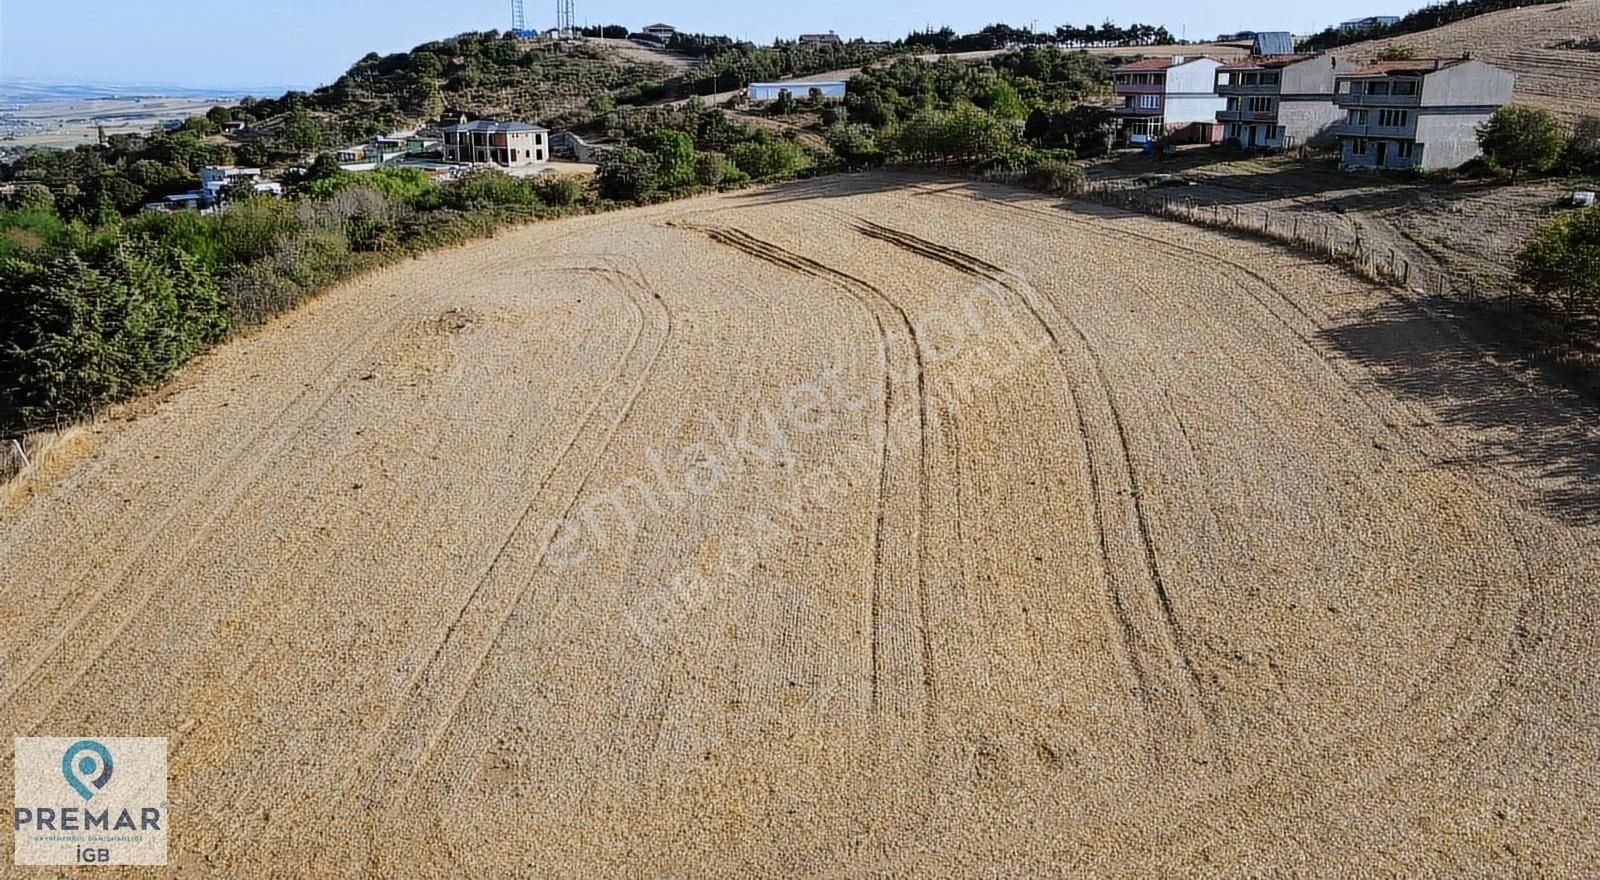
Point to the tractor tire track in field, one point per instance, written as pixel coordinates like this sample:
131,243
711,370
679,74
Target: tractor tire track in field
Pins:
884,311
1491,478
259,650
81,636
392,744
1160,678
1181,577
1479,628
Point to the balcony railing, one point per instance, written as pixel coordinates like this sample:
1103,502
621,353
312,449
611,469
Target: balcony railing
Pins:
1356,99
1247,116
1374,130
1232,89
1136,111
1139,88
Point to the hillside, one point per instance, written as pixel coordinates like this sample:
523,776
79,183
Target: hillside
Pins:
478,74
1562,81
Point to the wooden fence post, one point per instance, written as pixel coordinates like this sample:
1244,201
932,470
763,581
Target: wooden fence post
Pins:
21,455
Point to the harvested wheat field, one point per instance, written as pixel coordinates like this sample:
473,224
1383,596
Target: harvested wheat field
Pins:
874,525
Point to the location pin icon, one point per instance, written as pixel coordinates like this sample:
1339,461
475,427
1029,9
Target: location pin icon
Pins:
87,767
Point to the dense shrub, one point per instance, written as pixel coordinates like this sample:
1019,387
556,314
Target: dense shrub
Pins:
1054,176
628,174
768,158
1582,154
560,190
490,189
1521,139
1562,259
77,333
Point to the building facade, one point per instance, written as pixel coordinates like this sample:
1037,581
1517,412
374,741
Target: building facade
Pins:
820,41
1370,23
1280,102
762,92
511,144
1170,98
1421,115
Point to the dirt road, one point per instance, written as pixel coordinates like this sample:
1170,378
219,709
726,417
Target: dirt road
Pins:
870,525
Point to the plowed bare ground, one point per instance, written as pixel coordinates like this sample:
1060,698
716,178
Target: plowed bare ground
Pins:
873,525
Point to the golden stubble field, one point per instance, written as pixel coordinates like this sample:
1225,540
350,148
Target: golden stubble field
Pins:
874,525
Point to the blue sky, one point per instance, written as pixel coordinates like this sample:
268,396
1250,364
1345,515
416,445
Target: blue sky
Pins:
272,44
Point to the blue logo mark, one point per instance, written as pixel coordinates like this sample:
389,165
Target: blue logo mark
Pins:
87,767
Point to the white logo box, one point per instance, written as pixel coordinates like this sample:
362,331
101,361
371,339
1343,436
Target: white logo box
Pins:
90,801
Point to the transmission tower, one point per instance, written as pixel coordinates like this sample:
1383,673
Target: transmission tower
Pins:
519,18
566,20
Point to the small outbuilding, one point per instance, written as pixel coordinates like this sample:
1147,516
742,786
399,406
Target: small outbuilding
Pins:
762,92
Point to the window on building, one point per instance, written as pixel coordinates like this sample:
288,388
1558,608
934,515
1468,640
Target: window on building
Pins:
1148,102
1407,87
1270,78
1393,118
1377,88
1405,149
1358,146
1357,117
1263,104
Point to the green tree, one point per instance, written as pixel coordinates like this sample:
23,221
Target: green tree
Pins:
855,144
220,115
785,105
1562,259
30,197
628,174
201,126
1583,146
560,190
716,169
1521,139
300,131
674,153
765,158
77,333
252,154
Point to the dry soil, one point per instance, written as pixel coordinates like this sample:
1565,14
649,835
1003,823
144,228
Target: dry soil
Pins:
873,525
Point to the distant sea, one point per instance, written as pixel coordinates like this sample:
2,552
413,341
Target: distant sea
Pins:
17,90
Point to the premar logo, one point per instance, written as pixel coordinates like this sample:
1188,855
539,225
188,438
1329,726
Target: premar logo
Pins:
90,801
87,765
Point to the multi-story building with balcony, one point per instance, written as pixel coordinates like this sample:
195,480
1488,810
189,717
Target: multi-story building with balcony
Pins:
513,144
1167,99
1417,114
1280,101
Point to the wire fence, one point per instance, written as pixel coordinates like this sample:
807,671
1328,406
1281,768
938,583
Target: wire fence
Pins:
1300,231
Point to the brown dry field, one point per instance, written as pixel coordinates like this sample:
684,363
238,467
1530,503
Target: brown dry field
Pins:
1562,81
1163,552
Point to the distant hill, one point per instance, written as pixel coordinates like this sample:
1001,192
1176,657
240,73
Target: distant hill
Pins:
476,74
1565,81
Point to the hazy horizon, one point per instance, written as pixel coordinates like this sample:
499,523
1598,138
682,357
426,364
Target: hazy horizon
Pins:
274,45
